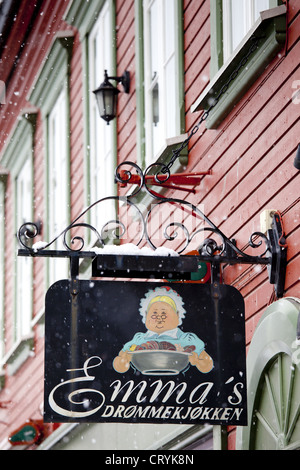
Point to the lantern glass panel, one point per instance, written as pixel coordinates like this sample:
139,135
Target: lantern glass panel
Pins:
107,98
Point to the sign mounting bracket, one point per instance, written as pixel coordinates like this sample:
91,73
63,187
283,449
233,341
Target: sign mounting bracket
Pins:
216,249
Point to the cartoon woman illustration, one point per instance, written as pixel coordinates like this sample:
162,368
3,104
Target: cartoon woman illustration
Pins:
162,311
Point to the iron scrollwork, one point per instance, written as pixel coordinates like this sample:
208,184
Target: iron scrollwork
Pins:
163,222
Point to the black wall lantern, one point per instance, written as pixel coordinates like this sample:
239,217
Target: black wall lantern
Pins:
107,95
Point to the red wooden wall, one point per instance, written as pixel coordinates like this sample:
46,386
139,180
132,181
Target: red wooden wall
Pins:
251,155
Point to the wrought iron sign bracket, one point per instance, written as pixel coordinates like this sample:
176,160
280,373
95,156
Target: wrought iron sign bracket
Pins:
178,266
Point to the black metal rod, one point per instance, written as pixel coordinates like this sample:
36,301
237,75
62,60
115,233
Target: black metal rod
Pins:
209,259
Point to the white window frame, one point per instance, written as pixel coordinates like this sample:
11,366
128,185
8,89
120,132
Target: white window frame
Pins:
17,159
269,29
58,181
165,35
24,265
101,135
242,17
51,89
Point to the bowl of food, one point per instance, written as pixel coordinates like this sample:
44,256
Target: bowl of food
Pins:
160,358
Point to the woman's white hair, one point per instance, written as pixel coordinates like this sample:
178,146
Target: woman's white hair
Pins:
162,291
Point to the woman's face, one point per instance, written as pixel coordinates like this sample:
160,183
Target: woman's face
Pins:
161,317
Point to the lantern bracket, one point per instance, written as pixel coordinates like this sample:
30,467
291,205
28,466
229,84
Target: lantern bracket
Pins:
124,80
106,95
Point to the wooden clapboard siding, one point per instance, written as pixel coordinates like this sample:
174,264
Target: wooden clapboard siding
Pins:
39,169
196,53
251,157
9,266
125,39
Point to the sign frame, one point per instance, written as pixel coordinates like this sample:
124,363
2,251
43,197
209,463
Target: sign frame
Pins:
87,328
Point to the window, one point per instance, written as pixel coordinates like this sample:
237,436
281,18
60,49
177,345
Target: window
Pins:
238,17
163,75
239,31
24,275
50,93
101,138
58,181
17,160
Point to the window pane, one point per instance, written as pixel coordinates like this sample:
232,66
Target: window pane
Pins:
238,18
238,21
161,75
101,165
24,265
58,165
155,38
260,5
169,22
58,182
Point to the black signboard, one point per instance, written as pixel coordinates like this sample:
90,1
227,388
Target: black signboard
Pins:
145,352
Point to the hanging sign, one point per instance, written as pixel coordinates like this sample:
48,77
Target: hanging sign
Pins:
144,352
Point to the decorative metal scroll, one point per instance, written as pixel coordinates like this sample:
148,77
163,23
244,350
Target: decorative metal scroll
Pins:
165,222
143,219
